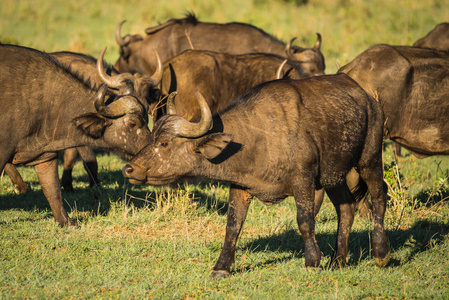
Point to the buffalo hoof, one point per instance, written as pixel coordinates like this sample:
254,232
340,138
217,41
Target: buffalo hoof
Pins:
382,262
338,262
69,223
219,274
21,189
314,269
68,188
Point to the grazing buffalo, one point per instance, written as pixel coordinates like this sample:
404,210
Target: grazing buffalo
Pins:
284,137
412,85
46,109
220,77
178,35
95,72
437,39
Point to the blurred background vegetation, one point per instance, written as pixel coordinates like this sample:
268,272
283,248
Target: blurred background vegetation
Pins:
348,27
143,242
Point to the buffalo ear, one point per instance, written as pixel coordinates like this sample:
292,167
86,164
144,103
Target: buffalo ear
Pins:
213,144
91,124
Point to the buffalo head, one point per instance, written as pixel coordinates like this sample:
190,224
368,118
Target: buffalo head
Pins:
311,60
121,126
144,87
176,147
129,45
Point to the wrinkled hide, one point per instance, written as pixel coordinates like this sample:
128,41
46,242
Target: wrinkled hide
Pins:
412,85
284,137
177,35
44,115
219,77
437,39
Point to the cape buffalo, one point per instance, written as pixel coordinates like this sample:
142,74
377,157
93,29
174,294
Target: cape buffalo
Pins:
95,72
178,35
437,39
220,77
412,85
46,109
284,137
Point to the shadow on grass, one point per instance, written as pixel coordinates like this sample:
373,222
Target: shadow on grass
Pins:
419,238
114,188
415,240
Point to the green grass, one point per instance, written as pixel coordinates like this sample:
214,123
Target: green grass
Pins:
141,242
146,242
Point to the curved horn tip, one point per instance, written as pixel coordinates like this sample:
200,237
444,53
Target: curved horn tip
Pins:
318,41
158,73
99,100
171,110
118,35
279,71
102,73
101,57
200,97
104,87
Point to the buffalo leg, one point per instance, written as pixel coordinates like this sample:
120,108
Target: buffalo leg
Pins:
319,197
90,164
374,180
344,204
70,156
305,201
47,173
16,179
239,201
397,149
363,206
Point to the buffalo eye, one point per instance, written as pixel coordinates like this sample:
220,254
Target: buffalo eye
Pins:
133,123
164,144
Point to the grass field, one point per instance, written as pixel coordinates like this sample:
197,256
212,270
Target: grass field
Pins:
146,242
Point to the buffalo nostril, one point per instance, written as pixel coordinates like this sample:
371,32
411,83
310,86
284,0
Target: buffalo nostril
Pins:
127,170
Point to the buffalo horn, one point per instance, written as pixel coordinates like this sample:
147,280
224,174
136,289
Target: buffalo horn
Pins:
114,81
171,110
118,36
279,72
192,129
288,50
318,42
157,76
106,111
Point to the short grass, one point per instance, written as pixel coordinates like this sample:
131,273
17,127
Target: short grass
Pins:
143,242
146,242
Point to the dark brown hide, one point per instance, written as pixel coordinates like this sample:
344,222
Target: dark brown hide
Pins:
437,39
412,85
86,67
284,137
44,115
178,35
219,77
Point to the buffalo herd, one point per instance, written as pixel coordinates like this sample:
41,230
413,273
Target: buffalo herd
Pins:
229,103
